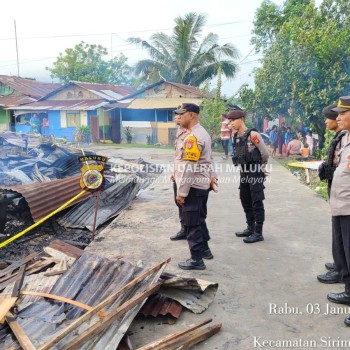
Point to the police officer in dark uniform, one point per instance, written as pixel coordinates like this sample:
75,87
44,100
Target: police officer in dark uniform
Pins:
251,155
340,208
326,172
194,177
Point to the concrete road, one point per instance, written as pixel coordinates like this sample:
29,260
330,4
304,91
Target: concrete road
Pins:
268,294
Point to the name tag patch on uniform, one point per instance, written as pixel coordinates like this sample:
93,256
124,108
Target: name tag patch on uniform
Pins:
192,151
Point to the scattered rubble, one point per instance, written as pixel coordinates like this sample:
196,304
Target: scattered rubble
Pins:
38,179
73,299
53,295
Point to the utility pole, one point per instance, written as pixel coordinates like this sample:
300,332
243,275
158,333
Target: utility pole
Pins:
17,50
111,46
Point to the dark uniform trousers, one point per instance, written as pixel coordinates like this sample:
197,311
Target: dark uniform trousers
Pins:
341,245
179,206
194,213
251,191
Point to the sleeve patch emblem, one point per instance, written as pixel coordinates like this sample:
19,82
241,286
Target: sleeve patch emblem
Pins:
255,139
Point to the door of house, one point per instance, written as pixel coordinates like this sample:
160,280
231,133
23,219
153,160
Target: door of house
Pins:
95,137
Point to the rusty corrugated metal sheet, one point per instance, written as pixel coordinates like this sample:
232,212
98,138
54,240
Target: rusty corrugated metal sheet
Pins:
113,200
44,198
161,305
80,105
90,280
13,100
28,87
192,89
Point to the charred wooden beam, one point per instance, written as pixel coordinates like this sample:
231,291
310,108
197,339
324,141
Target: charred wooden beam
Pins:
183,341
3,212
19,333
109,300
167,339
98,327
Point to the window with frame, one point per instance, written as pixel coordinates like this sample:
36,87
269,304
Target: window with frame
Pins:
73,119
5,90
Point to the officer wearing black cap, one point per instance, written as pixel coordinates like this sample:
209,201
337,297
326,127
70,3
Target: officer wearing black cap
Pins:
251,155
194,176
340,206
326,171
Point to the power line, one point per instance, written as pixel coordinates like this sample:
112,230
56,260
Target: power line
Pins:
127,32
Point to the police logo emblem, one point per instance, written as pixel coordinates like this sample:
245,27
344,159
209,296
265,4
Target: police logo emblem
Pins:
92,173
190,144
92,179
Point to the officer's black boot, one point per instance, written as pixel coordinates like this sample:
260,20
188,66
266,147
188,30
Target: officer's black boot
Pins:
180,235
330,266
331,276
257,236
340,298
347,320
194,263
246,232
206,252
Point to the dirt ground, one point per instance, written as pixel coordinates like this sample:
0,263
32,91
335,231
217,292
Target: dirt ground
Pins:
268,294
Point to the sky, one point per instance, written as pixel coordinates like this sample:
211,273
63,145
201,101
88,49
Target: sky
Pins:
45,29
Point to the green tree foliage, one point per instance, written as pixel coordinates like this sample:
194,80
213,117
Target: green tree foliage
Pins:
120,71
181,57
306,65
269,19
86,63
210,116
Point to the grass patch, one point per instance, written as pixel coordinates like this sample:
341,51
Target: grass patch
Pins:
320,187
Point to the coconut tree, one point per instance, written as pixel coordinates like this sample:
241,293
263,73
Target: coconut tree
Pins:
182,58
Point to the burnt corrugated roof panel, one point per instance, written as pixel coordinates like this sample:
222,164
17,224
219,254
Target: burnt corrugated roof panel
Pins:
90,280
44,198
112,201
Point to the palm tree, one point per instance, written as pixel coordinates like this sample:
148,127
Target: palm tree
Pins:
182,58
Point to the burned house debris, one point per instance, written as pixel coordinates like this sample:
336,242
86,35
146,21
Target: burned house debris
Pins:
54,295
85,301
37,177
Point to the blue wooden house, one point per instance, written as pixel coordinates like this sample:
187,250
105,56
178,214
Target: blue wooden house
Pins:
70,106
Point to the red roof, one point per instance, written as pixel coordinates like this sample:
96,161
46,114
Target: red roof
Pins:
28,87
13,100
189,88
